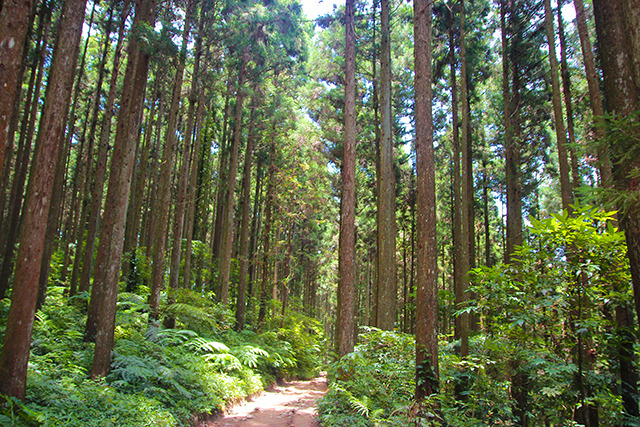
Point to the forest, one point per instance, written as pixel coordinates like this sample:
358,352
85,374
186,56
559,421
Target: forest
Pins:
437,203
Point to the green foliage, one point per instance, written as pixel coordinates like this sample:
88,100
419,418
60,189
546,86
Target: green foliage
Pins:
295,348
158,376
560,292
198,312
553,303
373,385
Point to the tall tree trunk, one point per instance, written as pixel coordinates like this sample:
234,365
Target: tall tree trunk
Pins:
614,27
244,227
386,217
266,247
183,177
595,97
109,257
466,192
97,189
512,136
427,376
15,351
162,205
87,159
221,189
566,92
53,220
71,215
255,231
15,19
196,122
8,135
345,326
226,241
11,222
561,133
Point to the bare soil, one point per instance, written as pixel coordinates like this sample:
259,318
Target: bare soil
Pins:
288,405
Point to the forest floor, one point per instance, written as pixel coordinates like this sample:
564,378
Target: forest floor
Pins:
286,405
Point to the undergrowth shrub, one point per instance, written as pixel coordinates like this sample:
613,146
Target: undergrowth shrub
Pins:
374,384
158,377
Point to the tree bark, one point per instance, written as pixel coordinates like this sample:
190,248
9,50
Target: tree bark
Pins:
195,122
622,92
87,160
15,18
181,198
386,216
463,320
427,376
266,247
244,227
97,189
595,97
226,241
11,222
109,257
163,201
15,351
566,92
511,139
345,327
566,192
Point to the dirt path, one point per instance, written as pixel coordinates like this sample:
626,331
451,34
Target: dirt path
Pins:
292,404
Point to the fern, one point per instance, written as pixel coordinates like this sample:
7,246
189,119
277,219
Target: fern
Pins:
224,361
249,355
174,336
204,345
192,313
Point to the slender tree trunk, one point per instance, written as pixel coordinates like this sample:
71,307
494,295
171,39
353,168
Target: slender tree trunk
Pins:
181,198
615,24
97,189
229,206
11,224
109,258
53,220
15,18
221,189
466,193
561,133
195,122
566,91
162,205
386,218
255,231
511,140
345,326
427,376
15,351
595,97
87,160
71,215
244,227
8,135
266,247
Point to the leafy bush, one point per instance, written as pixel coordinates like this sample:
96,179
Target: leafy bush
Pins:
373,385
158,376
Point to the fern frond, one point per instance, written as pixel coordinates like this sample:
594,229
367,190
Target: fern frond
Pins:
175,336
192,312
249,355
224,361
206,346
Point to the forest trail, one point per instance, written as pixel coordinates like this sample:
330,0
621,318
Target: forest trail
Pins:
291,404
